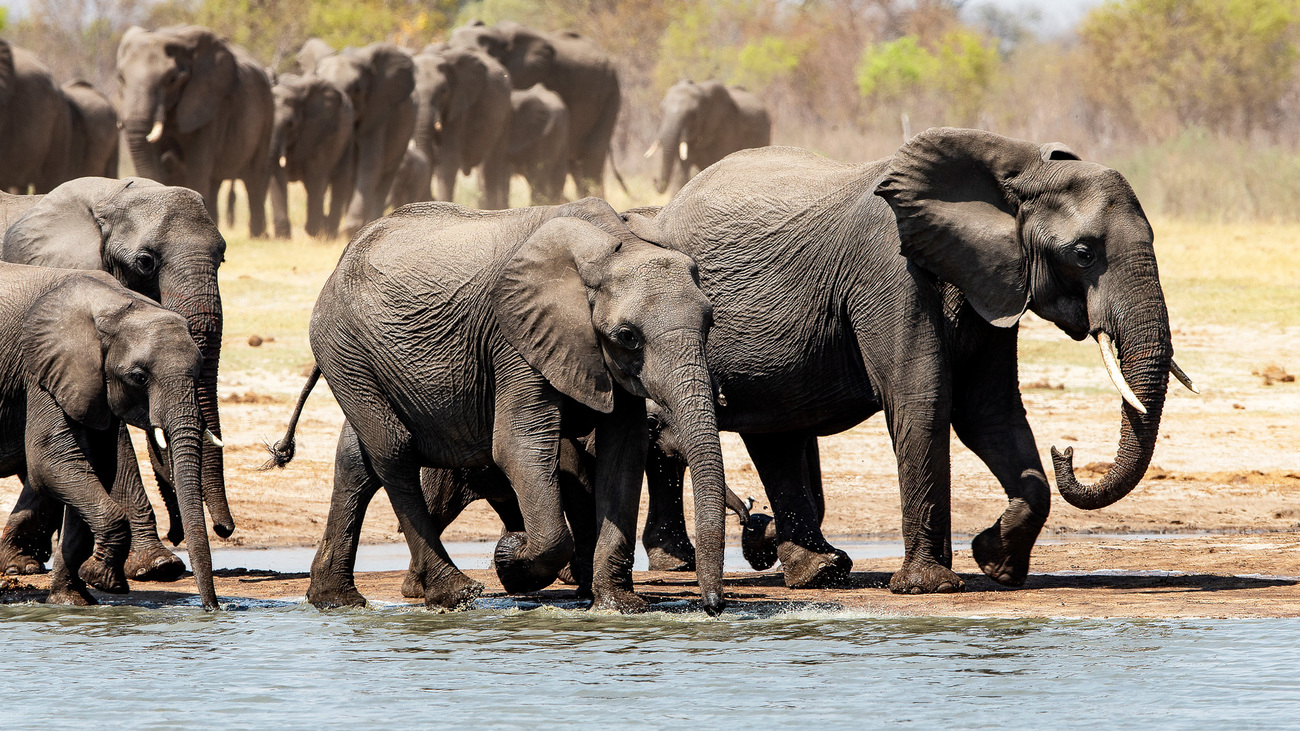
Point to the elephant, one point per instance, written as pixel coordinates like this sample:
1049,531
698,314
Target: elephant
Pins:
378,79
897,285
94,135
456,338
196,111
539,142
311,141
83,357
703,123
35,124
412,182
573,67
160,242
463,120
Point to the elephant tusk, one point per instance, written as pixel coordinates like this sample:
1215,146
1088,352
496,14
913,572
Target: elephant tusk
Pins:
721,398
159,437
155,134
1182,377
284,161
682,150
654,150
1116,377
212,438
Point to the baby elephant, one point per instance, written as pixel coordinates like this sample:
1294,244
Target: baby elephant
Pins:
311,141
81,357
539,142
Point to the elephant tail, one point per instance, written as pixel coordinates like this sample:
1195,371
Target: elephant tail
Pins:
617,175
282,451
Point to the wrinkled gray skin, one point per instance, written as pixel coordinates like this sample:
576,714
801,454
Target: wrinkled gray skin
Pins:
85,357
573,67
462,121
158,241
94,133
35,124
494,335
378,80
817,312
412,182
709,121
214,102
311,142
539,142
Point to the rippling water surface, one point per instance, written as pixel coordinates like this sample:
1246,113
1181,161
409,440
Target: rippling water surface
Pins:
512,664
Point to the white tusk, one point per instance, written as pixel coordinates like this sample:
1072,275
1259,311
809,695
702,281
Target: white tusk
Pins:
159,437
721,398
681,150
155,134
437,125
1182,377
284,161
207,434
1116,377
654,150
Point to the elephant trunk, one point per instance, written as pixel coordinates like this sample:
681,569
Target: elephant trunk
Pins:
669,149
182,427
142,128
426,132
1141,333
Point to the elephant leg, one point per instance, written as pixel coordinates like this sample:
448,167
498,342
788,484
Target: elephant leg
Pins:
494,175
76,544
444,179
26,539
621,442
807,559
255,185
989,418
315,187
280,205
432,573
664,536
577,492
148,560
342,180
355,483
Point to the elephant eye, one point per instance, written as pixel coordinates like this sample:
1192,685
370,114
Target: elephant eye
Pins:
137,377
145,262
1084,255
628,337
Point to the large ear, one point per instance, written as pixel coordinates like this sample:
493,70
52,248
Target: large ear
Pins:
212,77
951,192
68,227
7,75
394,78
64,354
641,221
540,300
468,80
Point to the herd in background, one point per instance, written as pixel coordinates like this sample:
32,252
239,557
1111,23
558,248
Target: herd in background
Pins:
363,129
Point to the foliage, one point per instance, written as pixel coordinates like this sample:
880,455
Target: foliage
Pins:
957,72
731,41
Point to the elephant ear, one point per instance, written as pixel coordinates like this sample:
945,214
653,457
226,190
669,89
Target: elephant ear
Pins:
69,227
394,78
641,221
540,300
7,73
212,78
951,192
64,354
468,80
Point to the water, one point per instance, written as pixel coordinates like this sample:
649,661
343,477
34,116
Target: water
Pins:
282,664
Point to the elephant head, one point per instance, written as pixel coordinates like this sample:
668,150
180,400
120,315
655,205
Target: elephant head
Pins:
309,112
375,78
102,352
156,240
528,54
433,91
173,80
688,110
1020,226
591,306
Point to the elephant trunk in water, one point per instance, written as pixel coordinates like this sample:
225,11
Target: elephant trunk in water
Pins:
182,433
1141,334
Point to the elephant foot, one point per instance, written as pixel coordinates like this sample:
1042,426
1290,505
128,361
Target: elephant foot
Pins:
104,574
807,569
925,577
758,541
1002,550
613,599
670,553
16,563
566,576
453,593
412,585
525,575
335,598
71,597
154,563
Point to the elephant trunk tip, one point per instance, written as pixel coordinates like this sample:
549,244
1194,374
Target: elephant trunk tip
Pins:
1083,497
714,603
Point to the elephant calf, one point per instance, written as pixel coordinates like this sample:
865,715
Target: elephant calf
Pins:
457,339
539,142
311,141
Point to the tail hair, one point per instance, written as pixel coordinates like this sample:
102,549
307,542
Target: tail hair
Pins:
282,451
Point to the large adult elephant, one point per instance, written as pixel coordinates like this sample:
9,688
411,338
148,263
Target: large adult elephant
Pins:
843,290
703,123
378,80
94,132
462,122
454,338
539,142
160,242
35,124
81,358
311,141
197,110
573,67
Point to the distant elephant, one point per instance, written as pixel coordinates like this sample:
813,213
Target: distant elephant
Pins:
160,242
80,358
35,124
539,142
454,338
197,110
842,290
703,123
379,79
573,67
412,182
463,120
311,141
94,134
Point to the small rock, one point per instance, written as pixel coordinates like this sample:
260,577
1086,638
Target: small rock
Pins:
1239,406
255,341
